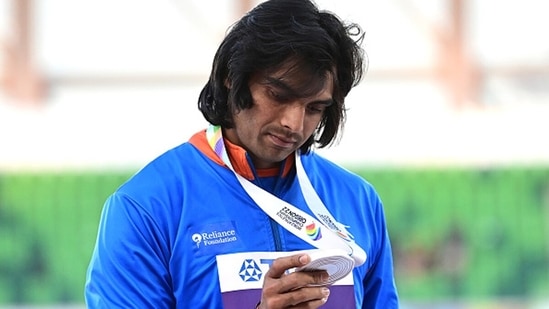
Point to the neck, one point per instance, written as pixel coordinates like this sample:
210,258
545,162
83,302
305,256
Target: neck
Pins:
234,155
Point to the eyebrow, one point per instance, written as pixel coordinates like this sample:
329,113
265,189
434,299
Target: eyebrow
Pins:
276,82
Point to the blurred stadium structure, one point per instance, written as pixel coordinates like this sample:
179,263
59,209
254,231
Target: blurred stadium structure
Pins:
451,119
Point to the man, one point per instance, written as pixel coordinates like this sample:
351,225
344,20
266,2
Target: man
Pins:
227,219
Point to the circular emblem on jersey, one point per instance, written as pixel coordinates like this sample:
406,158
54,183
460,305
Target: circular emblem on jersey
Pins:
197,239
250,271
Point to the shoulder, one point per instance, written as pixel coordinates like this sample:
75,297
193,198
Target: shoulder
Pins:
326,170
165,166
165,177
336,184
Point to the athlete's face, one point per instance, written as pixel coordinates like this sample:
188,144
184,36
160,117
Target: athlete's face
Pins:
282,117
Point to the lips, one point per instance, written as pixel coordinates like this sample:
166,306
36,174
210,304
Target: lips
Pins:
282,141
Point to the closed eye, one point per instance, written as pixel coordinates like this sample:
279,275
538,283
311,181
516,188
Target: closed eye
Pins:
319,106
279,96
316,108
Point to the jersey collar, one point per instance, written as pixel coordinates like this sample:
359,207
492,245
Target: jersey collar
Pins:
212,145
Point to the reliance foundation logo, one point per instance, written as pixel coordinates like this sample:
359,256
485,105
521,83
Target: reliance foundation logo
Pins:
214,238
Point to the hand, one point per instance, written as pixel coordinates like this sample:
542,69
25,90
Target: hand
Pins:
292,290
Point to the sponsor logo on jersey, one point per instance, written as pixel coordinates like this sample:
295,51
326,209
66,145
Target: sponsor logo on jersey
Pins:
250,271
214,236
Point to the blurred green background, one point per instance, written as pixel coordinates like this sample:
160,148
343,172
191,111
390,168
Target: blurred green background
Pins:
458,234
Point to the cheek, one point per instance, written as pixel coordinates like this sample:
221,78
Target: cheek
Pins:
309,129
311,125
260,115
247,122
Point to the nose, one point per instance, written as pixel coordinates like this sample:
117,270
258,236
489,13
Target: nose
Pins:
293,117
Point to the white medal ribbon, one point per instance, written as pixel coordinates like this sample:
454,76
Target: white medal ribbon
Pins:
316,205
325,233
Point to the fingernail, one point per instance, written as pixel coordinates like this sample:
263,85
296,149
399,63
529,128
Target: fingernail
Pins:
326,293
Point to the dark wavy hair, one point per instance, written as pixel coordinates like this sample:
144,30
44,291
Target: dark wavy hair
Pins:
278,32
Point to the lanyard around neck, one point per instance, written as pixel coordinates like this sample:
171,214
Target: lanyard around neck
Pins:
323,232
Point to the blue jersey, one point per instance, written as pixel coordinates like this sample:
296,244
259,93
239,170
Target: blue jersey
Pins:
161,231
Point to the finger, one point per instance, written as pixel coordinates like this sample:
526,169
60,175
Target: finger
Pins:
281,265
301,298
308,297
321,300
295,281
310,278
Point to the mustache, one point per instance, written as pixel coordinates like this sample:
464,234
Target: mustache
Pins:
287,134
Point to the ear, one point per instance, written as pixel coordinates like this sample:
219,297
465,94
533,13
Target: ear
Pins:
227,83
